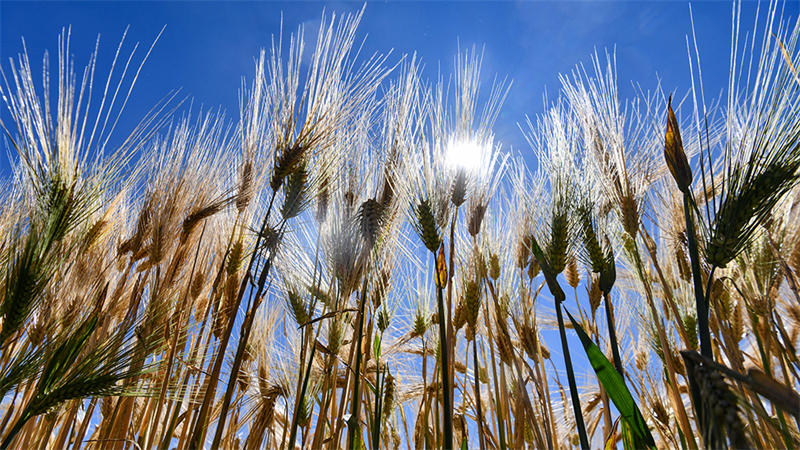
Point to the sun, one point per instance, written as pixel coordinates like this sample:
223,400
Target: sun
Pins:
467,154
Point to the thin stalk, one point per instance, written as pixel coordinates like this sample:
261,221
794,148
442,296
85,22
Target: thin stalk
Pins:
669,297
376,425
173,346
244,337
254,301
573,386
10,409
306,377
435,398
199,431
301,395
558,299
405,424
172,414
498,415
765,359
332,404
447,413
67,425
524,399
283,434
544,389
121,423
450,331
424,385
14,431
345,388
202,340
506,399
44,432
355,406
81,431
672,384
478,408
612,334
322,416
701,305
305,334
703,331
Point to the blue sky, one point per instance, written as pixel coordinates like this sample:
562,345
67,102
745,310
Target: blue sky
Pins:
208,47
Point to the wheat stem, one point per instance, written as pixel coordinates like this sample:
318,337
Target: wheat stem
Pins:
198,434
612,333
244,336
353,425
478,407
700,297
498,405
447,421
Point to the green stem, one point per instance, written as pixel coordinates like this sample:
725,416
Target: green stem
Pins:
293,435
701,304
558,298
478,406
352,425
450,273
573,386
703,331
447,413
612,334
376,425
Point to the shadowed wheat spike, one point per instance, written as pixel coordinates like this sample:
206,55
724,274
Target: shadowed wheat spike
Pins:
426,226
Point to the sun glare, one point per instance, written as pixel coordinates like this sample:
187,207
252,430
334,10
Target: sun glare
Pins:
465,154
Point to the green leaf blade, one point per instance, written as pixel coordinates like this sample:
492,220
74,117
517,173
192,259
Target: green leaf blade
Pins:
615,386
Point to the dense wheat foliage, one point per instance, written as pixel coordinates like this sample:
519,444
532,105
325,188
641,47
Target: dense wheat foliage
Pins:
354,260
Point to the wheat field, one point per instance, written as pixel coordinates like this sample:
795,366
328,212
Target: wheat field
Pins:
355,261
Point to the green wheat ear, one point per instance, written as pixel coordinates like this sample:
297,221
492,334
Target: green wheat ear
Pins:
426,226
743,211
370,218
609,274
64,355
295,192
23,366
298,307
72,371
590,240
33,258
559,235
420,324
286,164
